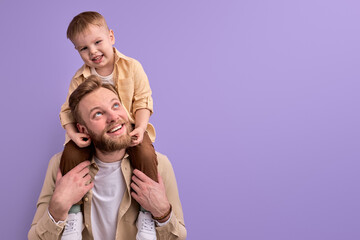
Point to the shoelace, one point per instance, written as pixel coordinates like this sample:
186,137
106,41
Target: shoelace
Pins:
147,224
70,226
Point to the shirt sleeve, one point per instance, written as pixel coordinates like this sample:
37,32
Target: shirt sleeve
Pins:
42,226
164,223
175,228
65,112
52,219
142,91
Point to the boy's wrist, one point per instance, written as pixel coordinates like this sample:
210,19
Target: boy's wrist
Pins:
141,127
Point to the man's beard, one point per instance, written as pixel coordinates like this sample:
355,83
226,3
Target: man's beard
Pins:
107,144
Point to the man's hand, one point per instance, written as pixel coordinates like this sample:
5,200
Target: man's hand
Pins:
69,189
137,136
150,194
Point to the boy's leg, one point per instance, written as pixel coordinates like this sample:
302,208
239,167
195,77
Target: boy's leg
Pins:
143,157
73,155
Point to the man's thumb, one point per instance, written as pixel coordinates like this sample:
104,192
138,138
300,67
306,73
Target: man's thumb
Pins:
58,175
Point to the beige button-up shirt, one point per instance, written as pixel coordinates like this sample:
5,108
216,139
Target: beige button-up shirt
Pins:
43,227
130,82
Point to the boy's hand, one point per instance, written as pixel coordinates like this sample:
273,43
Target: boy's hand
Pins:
81,139
137,136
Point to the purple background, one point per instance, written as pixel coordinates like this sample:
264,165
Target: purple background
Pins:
256,105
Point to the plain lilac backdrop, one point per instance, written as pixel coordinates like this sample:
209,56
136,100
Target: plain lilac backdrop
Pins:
256,105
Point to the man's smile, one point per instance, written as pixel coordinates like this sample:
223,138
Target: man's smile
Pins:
115,129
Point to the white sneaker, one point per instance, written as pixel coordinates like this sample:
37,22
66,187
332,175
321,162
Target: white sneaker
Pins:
73,227
146,227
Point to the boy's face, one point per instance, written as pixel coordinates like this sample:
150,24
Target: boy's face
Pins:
95,48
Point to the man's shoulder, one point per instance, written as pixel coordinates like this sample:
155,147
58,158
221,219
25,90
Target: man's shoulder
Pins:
161,157
56,156
163,161
53,165
55,160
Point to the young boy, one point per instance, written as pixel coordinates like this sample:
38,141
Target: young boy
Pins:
94,41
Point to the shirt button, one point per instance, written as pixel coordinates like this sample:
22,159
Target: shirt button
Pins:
86,199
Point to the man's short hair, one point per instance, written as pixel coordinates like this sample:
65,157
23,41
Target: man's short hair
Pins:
81,22
88,86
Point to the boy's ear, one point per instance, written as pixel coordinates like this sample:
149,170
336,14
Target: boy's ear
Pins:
81,128
112,36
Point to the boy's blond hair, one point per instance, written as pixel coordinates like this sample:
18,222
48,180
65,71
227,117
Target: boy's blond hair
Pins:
81,22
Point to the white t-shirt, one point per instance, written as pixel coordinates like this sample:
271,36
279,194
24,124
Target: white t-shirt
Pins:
107,194
106,79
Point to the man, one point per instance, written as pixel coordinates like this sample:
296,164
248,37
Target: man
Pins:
107,183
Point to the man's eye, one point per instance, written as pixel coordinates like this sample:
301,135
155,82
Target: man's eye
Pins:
116,105
97,114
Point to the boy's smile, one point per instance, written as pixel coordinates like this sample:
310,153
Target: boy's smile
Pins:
97,59
95,46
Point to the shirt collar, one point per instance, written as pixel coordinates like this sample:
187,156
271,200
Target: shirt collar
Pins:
126,156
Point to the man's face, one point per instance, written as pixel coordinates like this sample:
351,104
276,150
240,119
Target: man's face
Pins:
105,120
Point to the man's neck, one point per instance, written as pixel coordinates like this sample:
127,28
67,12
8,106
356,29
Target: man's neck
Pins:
110,157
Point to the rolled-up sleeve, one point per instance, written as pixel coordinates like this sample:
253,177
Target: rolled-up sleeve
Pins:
142,91
65,112
175,228
42,226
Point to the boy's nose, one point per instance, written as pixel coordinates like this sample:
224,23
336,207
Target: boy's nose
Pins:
93,50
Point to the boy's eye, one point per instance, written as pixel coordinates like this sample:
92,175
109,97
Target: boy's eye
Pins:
82,49
97,42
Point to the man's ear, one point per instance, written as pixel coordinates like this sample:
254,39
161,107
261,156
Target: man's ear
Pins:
81,128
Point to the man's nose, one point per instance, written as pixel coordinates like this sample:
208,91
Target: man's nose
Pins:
112,116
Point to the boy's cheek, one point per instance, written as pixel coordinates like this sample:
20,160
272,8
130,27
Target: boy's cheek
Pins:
84,58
